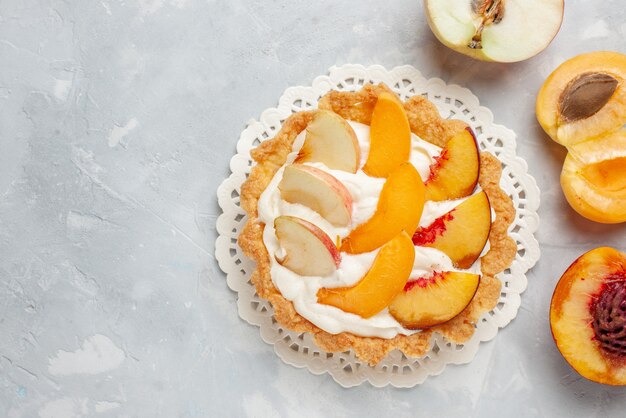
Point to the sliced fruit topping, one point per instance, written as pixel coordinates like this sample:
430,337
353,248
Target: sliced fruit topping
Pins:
390,137
495,30
584,97
461,233
588,316
308,251
317,190
594,178
430,301
332,141
454,173
399,208
385,279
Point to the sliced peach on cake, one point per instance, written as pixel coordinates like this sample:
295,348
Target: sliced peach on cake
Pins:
594,178
317,190
584,97
430,301
588,316
308,250
330,140
399,208
454,173
461,233
390,137
384,280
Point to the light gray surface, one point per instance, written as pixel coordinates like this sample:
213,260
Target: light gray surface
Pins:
117,122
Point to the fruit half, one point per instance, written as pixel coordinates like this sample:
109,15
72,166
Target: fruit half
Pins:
594,178
430,301
588,316
399,208
317,190
461,233
390,137
584,97
495,30
385,279
308,251
330,140
454,173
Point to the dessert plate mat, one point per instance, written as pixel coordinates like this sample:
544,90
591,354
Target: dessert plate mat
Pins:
299,350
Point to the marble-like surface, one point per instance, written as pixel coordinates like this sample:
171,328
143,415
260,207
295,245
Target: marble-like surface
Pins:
117,122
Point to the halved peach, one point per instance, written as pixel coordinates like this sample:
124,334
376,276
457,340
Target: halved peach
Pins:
584,97
454,173
309,251
332,141
317,190
390,137
588,316
430,301
385,279
594,178
399,208
461,233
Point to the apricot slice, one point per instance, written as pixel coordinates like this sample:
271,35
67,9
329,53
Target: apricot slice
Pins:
461,233
384,280
399,208
584,97
331,140
588,316
594,178
318,190
390,137
454,173
430,301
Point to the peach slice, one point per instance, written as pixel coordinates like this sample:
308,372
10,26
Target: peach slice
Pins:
461,233
454,173
430,301
588,316
399,208
332,141
317,190
385,279
309,251
390,137
584,97
594,178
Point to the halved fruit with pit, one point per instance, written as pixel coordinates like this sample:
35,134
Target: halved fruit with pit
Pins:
399,208
461,233
309,251
495,30
588,316
385,279
454,173
390,137
318,190
584,97
430,301
594,178
330,140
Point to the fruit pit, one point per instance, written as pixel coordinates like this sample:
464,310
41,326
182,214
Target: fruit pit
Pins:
609,316
585,95
490,11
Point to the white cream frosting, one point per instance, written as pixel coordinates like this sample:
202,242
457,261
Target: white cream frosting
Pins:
365,190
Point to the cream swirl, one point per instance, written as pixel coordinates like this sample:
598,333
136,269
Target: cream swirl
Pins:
365,190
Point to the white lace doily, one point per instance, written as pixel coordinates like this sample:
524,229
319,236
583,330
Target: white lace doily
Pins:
396,369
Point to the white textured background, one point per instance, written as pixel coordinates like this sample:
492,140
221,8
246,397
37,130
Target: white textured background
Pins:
117,122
